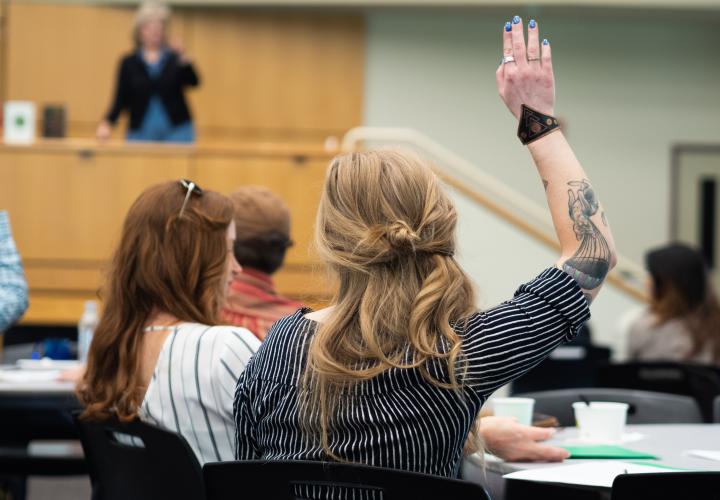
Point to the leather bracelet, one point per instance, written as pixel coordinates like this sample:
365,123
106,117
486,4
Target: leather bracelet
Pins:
534,125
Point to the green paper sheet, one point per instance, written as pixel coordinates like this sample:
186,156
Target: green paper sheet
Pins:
605,451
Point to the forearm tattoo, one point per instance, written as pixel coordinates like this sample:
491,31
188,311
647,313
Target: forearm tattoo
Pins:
591,262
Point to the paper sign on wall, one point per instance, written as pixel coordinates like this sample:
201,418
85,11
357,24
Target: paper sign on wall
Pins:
19,121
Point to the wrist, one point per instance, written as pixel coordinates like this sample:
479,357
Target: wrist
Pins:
534,124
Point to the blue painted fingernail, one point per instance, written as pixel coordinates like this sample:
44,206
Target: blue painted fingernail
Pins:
545,42
532,23
508,26
516,19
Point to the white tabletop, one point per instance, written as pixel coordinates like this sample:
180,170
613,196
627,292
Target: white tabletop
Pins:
668,442
15,381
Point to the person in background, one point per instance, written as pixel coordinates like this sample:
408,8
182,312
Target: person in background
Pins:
682,322
156,353
13,287
396,370
151,82
262,222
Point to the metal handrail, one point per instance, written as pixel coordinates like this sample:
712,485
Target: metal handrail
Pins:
493,194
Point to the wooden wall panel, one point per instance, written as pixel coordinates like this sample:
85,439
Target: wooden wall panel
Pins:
265,75
278,72
69,206
67,201
66,54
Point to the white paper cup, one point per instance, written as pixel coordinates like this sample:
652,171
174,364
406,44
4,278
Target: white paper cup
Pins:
601,422
520,408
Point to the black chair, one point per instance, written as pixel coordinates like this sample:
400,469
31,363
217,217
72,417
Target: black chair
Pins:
293,480
667,486
700,382
645,407
716,410
31,417
139,461
579,357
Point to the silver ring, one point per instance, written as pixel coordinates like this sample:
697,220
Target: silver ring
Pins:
507,59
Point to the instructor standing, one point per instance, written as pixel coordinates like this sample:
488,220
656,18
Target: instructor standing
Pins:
150,83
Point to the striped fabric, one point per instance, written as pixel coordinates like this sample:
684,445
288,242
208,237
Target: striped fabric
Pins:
13,288
191,391
399,420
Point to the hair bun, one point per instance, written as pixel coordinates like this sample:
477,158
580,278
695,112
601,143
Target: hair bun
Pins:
401,237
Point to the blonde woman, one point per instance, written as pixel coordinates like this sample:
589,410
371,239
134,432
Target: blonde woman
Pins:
395,372
151,81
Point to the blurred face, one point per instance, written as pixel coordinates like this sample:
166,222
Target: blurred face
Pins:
152,34
232,268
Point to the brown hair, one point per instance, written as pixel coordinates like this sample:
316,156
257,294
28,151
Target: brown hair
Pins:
386,229
682,290
164,262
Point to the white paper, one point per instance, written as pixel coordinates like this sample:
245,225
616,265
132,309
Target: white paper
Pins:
601,474
19,122
708,454
28,376
48,364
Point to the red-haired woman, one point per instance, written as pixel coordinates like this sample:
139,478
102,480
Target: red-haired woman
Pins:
156,353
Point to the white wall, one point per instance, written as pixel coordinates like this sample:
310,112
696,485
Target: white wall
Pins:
629,86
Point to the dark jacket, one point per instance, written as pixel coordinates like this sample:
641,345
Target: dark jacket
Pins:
135,87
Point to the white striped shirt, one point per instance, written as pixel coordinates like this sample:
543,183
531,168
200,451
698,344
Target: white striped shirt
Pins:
398,419
191,391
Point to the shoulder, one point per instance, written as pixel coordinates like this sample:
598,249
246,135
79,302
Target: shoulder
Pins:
219,337
130,59
234,337
290,328
282,351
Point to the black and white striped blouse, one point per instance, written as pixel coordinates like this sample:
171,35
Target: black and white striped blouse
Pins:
398,419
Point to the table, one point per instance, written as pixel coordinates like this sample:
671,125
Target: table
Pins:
666,441
37,435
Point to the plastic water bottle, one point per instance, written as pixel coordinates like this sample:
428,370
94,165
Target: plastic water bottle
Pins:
86,329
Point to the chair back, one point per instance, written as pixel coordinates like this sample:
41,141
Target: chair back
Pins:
578,357
700,382
667,486
139,461
716,410
644,407
282,480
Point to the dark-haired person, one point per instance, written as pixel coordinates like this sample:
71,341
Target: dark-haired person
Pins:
156,353
682,322
396,370
262,222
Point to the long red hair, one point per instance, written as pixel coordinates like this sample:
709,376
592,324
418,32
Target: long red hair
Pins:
165,262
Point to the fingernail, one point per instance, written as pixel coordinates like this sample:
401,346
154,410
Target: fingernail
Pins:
545,42
532,23
508,26
516,19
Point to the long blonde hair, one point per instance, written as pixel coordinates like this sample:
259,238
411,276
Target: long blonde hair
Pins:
386,229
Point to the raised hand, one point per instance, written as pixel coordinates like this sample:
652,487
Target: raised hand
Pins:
526,76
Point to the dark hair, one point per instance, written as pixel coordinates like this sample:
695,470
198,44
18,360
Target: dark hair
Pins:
682,290
166,262
265,252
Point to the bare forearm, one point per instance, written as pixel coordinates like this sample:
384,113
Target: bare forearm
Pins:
587,247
